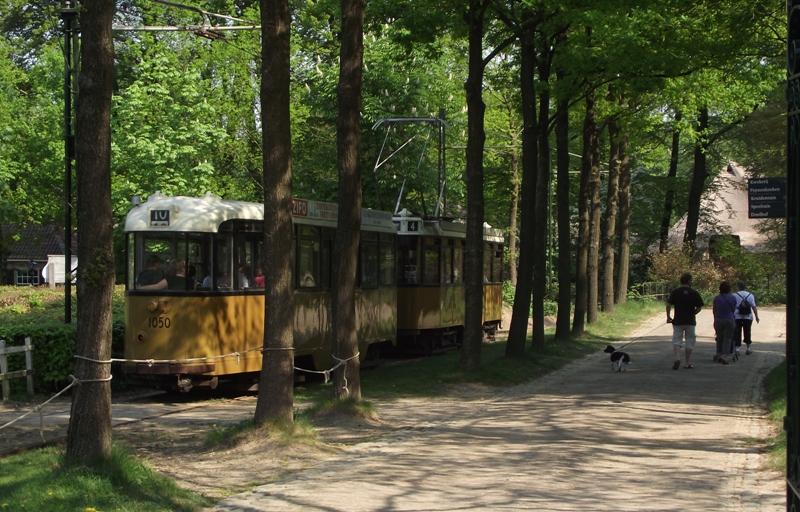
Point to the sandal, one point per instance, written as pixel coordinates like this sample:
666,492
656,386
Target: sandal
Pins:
689,366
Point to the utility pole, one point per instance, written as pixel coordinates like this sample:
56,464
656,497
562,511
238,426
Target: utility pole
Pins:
69,15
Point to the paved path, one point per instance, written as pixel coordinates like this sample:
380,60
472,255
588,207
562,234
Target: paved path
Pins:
582,438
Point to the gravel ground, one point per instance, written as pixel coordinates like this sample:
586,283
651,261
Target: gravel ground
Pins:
582,438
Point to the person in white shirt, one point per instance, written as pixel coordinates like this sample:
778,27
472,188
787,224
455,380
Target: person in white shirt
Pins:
746,310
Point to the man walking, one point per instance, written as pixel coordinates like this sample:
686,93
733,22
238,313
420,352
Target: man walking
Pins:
687,303
745,311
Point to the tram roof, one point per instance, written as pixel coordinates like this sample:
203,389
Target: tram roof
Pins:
205,214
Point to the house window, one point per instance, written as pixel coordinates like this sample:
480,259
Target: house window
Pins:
28,277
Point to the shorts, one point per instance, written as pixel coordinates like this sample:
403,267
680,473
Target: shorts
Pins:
679,332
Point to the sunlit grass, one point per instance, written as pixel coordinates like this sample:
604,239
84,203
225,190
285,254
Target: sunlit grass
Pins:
282,434
775,384
38,480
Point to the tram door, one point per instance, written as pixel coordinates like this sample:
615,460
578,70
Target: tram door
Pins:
792,420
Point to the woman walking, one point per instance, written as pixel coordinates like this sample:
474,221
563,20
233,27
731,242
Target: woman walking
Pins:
724,322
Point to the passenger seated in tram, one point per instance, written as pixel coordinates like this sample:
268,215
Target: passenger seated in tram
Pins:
177,278
244,280
259,278
152,277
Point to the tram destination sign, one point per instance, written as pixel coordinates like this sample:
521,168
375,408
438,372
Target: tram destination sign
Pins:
766,198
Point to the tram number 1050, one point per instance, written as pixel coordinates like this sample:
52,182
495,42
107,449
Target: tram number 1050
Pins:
159,322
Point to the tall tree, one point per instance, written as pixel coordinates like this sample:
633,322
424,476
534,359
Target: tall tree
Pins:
348,135
542,194
518,331
624,219
89,433
582,254
562,209
698,183
672,173
593,258
473,257
610,220
275,391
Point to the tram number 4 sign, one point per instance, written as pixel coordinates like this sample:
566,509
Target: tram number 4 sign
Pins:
766,198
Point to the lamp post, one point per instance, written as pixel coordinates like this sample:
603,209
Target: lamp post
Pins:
69,15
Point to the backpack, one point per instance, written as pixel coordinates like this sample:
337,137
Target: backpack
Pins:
744,306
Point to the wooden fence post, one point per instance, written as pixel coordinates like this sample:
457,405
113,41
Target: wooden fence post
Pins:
4,370
29,364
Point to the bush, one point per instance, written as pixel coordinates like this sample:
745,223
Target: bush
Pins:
53,348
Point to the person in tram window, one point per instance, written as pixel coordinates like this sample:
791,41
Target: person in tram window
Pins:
244,279
259,278
178,279
152,277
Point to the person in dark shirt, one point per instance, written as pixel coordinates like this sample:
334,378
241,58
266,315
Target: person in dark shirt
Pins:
152,277
687,303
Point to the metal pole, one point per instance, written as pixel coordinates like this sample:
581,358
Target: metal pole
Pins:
69,13
792,419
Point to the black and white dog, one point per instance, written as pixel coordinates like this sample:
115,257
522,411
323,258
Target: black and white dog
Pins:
619,359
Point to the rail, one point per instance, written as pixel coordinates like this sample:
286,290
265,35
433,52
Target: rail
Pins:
6,376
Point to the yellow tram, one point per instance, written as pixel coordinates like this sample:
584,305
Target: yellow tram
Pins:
194,308
430,293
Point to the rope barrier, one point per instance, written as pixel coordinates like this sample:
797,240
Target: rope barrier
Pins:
39,407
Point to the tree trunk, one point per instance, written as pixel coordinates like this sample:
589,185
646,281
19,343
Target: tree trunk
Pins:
562,206
512,228
610,222
476,137
669,198
276,391
582,253
624,222
348,134
593,259
89,433
699,175
540,216
518,330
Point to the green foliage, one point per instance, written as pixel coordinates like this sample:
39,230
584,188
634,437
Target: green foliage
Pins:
38,313
670,265
39,480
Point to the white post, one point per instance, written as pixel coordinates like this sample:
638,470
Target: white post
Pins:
29,364
4,370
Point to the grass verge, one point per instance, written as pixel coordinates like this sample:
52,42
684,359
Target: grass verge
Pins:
38,480
775,384
430,376
299,431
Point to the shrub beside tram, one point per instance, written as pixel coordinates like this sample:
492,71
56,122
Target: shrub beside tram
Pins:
194,305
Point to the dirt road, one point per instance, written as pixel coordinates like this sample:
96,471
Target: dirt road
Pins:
582,438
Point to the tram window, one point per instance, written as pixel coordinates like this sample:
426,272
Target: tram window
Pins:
308,252
497,264
222,263
369,260
487,263
387,260
447,261
430,260
458,261
326,259
157,254
197,257
246,262
407,256
177,270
